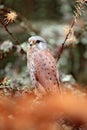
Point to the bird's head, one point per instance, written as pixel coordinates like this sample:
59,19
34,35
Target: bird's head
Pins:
37,41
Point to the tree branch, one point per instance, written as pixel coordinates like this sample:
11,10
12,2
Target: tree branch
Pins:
13,37
63,44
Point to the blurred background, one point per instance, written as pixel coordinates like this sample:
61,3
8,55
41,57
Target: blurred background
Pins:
47,18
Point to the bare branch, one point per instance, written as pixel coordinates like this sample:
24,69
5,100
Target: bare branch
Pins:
63,44
77,14
11,34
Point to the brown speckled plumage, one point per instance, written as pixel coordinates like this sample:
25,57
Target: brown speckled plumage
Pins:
42,66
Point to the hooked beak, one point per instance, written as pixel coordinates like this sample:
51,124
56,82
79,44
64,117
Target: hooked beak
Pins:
32,43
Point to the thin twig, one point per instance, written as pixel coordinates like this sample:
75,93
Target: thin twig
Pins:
63,44
27,25
13,37
77,14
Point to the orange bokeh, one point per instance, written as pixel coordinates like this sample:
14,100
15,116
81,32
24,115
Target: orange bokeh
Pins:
29,113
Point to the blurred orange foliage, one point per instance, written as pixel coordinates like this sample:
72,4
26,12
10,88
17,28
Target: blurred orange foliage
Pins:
29,113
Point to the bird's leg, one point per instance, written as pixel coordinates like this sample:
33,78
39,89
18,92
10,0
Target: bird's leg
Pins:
58,82
39,90
36,88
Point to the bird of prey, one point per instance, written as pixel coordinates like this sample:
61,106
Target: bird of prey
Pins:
41,65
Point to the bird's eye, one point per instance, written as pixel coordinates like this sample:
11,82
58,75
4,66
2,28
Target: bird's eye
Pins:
38,41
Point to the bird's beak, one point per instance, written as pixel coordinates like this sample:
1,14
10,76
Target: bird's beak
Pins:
32,43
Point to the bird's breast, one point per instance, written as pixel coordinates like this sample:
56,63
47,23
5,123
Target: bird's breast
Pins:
45,69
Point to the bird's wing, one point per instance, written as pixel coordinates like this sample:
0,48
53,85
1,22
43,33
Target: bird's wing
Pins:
46,69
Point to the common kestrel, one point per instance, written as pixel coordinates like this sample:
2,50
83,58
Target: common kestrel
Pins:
41,65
